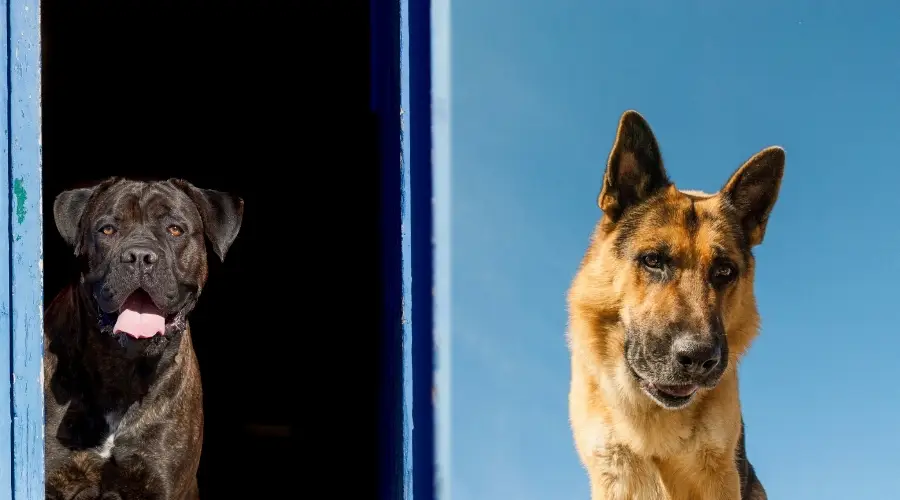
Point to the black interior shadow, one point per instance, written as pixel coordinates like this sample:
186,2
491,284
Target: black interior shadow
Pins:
268,101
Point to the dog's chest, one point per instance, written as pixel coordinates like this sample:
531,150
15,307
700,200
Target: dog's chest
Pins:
657,435
94,432
113,422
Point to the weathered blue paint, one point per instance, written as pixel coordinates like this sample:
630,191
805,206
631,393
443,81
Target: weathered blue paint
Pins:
26,249
407,253
5,339
385,103
421,248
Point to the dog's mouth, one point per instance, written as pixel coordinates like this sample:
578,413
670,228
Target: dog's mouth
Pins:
676,391
139,317
669,396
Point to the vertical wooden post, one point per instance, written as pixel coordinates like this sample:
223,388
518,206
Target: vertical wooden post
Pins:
401,97
421,249
6,430
385,105
24,249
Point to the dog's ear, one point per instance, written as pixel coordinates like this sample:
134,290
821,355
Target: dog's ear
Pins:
753,190
222,214
634,171
68,209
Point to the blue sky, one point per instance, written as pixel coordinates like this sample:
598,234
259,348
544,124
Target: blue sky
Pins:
537,88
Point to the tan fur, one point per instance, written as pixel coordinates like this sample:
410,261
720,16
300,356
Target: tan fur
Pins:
632,448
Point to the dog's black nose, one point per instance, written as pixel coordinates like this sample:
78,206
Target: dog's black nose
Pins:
139,255
697,358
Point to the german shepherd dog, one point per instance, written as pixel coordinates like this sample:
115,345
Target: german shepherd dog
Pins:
660,312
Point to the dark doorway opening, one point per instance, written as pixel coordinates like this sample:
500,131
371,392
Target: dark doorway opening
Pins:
268,101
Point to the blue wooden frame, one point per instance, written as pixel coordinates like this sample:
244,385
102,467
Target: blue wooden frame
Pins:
411,282
385,103
21,256
418,166
402,96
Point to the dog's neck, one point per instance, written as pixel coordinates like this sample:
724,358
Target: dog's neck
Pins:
119,379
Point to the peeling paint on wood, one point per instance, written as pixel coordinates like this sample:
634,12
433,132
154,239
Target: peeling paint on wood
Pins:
21,197
24,277
5,340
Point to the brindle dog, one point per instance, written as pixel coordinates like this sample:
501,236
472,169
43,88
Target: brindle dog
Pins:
123,400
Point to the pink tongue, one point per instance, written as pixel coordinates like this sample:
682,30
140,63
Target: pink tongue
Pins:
140,318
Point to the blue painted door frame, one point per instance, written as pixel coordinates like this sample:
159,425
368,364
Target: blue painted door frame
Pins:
401,97
409,451
21,255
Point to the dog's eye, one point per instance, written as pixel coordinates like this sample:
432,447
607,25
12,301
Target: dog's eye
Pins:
652,260
108,230
723,272
175,230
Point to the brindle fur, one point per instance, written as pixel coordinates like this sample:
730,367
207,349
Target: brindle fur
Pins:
666,268
124,416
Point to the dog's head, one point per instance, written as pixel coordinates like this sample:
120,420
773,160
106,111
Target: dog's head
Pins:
143,251
673,270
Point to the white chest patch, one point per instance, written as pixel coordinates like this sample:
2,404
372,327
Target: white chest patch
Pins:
105,449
